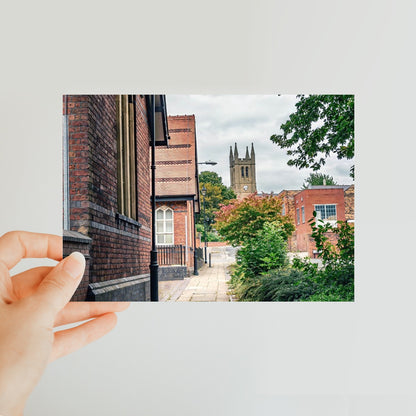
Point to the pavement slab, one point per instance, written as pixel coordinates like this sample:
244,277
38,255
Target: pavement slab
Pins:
209,286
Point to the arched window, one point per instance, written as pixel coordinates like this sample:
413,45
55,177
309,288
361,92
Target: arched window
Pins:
242,171
246,171
164,226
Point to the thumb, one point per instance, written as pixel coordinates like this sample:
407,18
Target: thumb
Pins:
57,288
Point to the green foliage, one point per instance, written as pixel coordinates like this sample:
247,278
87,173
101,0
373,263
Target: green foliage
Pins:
210,177
211,236
318,179
343,252
239,221
254,279
217,194
286,285
266,250
335,280
322,124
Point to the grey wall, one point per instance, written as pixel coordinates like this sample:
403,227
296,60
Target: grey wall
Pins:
226,359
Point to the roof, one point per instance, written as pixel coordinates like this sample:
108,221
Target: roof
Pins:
329,187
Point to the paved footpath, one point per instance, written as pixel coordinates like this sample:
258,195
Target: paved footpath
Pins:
211,283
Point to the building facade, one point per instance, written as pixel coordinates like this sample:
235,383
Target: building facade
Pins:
331,204
177,199
243,172
288,208
107,210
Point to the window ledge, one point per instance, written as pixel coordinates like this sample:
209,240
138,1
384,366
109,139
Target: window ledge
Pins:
121,217
76,237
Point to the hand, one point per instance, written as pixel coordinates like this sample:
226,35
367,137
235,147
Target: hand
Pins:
32,303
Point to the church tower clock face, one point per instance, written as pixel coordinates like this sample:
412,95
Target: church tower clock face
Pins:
245,187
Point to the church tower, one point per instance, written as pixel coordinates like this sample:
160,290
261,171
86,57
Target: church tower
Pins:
243,172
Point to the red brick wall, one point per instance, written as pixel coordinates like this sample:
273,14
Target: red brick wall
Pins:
288,201
308,198
176,167
119,248
349,203
78,155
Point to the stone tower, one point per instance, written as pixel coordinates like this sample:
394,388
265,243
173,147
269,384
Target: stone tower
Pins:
243,172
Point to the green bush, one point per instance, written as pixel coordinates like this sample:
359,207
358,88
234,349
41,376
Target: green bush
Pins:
265,251
262,272
335,280
211,236
281,286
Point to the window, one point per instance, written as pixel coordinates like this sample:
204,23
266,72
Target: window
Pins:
303,215
164,226
246,171
283,209
126,156
297,216
242,172
326,212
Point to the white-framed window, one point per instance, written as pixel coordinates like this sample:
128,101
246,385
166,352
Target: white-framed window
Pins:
297,216
303,215
164,226
327,212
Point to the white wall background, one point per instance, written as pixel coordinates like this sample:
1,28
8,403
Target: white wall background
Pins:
225,359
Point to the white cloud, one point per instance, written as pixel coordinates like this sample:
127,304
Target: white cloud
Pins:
222,120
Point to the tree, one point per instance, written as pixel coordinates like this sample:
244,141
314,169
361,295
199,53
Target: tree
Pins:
322,124
217,194
210,177
318,179
242,219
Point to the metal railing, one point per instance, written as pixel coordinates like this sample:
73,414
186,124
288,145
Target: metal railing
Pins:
171,255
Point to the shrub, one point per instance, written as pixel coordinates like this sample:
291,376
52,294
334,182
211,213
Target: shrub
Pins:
335,281
266,250
279,286
262,272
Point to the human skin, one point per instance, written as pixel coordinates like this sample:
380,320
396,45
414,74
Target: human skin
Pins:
35,302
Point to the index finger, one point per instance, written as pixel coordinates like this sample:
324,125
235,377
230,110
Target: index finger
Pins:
17,245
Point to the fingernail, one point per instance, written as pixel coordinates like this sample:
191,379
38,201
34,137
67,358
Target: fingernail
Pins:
74,264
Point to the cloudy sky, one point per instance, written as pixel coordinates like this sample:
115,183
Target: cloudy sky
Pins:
222,120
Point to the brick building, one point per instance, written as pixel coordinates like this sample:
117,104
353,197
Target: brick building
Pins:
331,203
177,198
288,208
107,210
